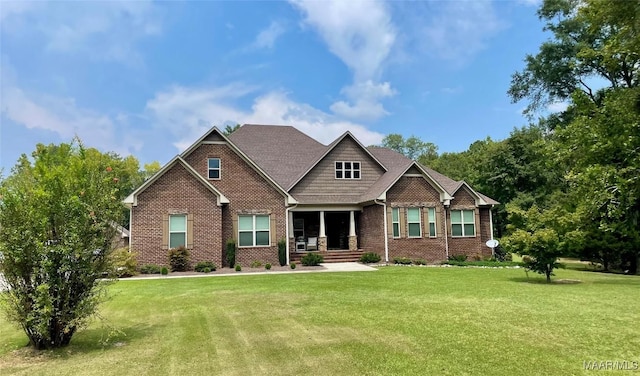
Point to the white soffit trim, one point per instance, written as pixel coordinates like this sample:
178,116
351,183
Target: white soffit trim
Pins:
479,200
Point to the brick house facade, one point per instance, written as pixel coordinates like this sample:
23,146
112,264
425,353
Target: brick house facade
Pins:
265,183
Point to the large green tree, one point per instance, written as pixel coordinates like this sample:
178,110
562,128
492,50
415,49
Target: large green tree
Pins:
412,147
58,210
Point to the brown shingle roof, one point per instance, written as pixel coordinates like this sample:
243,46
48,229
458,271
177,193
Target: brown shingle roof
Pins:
283,152
286,153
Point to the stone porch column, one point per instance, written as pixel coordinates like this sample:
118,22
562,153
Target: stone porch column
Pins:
353,238
322,236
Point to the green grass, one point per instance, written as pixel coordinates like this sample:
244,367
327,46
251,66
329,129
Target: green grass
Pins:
398,320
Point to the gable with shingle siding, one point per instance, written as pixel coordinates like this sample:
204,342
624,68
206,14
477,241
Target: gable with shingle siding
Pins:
321,180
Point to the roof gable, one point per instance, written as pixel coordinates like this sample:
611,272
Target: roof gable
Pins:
132,199
329,149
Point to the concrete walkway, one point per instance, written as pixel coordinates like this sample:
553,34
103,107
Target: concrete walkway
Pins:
327,268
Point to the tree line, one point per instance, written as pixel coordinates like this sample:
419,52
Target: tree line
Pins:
569,182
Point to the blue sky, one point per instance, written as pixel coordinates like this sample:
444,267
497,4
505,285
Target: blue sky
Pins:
148,78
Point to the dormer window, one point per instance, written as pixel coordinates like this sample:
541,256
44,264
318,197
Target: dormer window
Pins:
214,168
347,170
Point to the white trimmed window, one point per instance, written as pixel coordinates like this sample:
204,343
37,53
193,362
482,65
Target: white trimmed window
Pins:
177,231
213,165
347,170
414,223
395,222
463,223
253,231
432,222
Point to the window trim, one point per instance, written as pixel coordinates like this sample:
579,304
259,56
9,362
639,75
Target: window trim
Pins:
352,170
178,232
219,169
409,223
396,222
432,219
462,223
254,231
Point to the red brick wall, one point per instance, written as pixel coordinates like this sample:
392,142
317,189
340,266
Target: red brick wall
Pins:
176,192
417,192
247,191
372,230
470,246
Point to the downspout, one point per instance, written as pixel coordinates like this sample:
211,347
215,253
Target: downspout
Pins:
446,233
130,227
491,221
386,229
286,214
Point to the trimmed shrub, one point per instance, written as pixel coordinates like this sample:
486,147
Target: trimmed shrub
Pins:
179,259
123,263
282,252
164,270
292,265
402,260
369,258
256,264
205,267
231,252
267,266
459,258
150,269
238,268
312,259
420,262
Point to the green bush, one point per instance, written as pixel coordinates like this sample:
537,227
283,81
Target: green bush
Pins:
312,259
150,269
402,260
256,264
204,265
238,268
292,265
164,270
282,252
123,263
459,258
231,252
369,258
267,266
179,259
420,262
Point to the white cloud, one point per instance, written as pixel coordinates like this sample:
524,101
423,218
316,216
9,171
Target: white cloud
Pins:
365,97
188,112
361,34
105,30
457,30
267,37
557,106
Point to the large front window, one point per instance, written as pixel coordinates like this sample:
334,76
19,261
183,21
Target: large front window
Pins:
177,231
463,223
413,222
253,230
347,170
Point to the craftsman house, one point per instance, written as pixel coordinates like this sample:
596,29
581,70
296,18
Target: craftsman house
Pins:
265,183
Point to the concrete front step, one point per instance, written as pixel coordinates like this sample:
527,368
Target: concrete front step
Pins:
331,256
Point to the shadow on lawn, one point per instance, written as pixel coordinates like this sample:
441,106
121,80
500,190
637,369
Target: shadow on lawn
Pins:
543,281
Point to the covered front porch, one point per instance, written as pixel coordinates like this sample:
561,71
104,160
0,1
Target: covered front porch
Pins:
324,229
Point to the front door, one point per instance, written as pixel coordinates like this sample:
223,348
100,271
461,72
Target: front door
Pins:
337,230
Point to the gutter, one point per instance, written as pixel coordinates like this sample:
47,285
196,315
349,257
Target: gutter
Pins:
386,234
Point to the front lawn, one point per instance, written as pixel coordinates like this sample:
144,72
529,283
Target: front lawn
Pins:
398,320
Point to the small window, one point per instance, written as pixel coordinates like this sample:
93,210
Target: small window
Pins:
413,222
463,223
347,170
177,231
432,222
253,231
395,222
214,168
